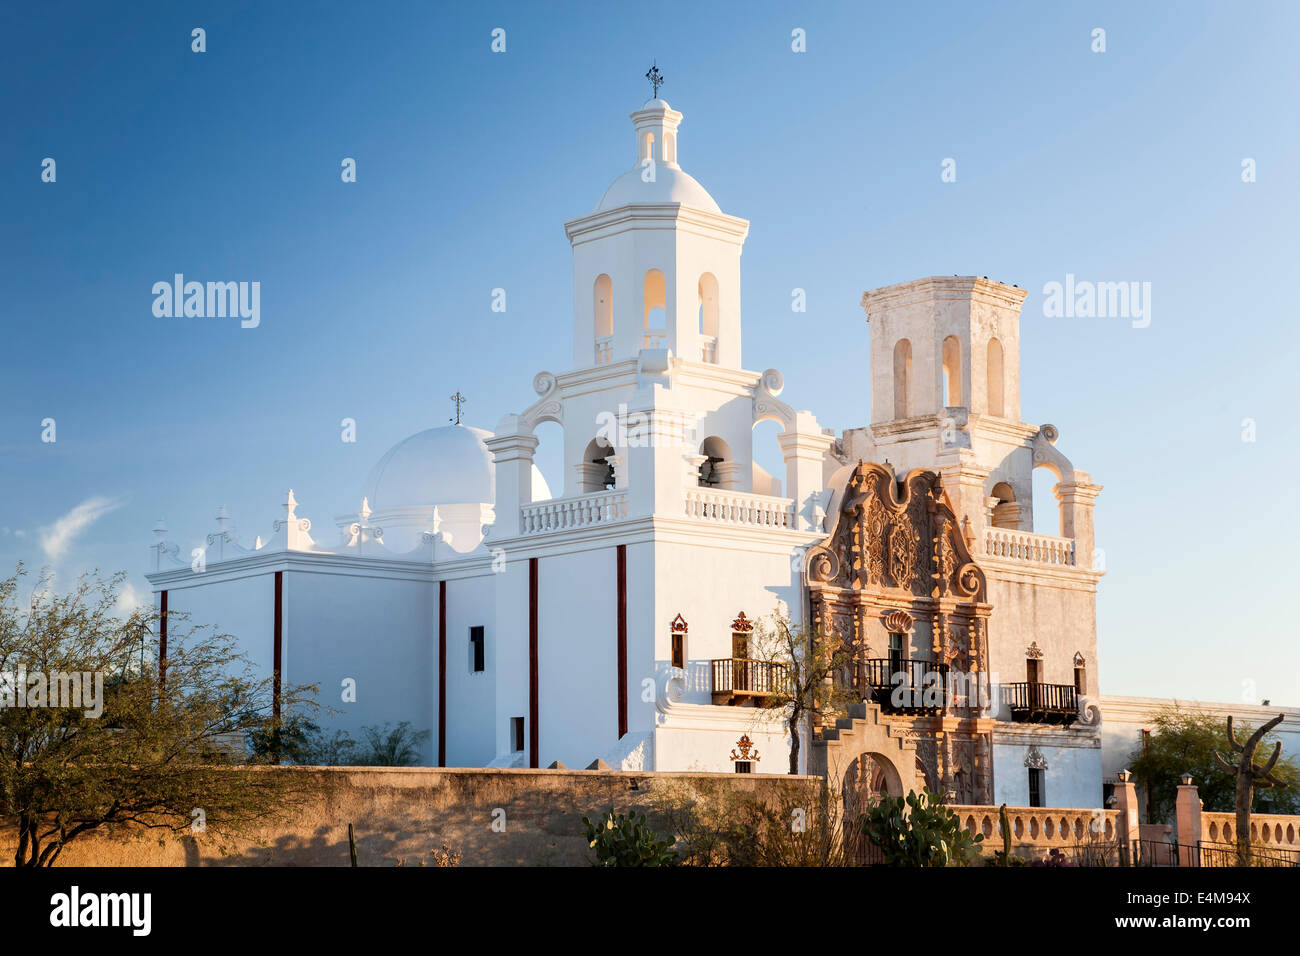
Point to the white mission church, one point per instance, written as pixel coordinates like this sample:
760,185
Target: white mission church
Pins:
611,619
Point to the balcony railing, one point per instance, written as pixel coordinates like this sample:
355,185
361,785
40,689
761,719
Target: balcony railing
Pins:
902,686
739,508
655,339
736,680
709,349
561,514
604,350
1034,703
1028,547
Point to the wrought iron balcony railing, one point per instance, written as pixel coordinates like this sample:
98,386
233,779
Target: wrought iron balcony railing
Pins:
1035,703
736,680
903,686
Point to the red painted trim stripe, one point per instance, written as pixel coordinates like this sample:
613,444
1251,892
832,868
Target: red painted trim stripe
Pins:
442,673
162,644
277,653
622,640
532,663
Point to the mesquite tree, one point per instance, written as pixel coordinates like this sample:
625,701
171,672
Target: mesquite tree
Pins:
140,748
812,668
1250,777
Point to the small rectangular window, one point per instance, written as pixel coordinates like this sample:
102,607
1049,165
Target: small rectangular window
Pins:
1035,787
517,733
476,658
679,650
744,766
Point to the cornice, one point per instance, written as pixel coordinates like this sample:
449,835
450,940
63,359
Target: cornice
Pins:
674,216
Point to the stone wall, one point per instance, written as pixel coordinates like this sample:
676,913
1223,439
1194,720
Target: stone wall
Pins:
401,815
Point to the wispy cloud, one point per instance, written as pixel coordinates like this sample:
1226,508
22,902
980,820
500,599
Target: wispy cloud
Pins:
128,599
58,537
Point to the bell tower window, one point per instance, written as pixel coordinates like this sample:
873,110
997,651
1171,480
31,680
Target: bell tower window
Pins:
656,305
996,395
952,385
708,290
902,379
603,308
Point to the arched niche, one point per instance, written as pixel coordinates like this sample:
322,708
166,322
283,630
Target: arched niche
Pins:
952,377
902,379
603,306
718,468
1006,510
993,367
655,299
596,468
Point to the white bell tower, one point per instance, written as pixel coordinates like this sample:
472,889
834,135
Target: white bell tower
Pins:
657,264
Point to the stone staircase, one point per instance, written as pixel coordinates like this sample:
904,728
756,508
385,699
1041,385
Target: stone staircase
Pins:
864,731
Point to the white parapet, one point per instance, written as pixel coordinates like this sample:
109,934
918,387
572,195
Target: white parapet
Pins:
739,508
581,511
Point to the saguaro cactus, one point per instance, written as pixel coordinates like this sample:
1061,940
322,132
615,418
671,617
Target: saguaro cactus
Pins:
1249,777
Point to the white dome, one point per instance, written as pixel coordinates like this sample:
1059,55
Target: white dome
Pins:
671,185
440,466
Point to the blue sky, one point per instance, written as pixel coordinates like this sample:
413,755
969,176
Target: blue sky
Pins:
1123,165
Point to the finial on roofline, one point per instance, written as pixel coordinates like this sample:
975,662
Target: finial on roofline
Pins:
656,80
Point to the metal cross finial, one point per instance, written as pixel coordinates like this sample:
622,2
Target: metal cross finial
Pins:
656,79
459,399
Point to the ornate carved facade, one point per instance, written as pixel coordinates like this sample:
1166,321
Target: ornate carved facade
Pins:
895,586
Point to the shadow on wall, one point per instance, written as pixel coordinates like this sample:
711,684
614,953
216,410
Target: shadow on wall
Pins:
403,815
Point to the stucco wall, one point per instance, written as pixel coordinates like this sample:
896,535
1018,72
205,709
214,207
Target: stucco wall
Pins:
1072,779
402,814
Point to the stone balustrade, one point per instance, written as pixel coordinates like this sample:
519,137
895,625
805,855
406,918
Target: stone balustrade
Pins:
1266,829
1010,545
562,514
739,508
1040,827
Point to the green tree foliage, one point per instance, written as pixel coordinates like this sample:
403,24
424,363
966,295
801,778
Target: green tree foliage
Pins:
161,753
918,830
1184,741
813,684
301,741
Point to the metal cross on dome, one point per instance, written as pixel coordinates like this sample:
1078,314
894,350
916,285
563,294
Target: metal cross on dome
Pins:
656,79
460,400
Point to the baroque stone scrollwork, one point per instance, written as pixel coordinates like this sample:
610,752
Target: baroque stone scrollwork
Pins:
896,562
1034,652
1034,758
678,625
898,622
900,535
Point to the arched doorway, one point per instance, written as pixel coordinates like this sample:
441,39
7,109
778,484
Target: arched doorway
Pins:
868,778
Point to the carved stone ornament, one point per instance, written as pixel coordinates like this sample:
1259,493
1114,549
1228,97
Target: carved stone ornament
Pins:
902,555
1079,659
742,624
1034,652
898,622
679,625
747,749
1034,759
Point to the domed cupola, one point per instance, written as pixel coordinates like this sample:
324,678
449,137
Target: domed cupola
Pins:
441,480
656,178
438,466
656,265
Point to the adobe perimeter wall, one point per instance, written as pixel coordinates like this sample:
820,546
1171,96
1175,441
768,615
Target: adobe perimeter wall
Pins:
401,814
